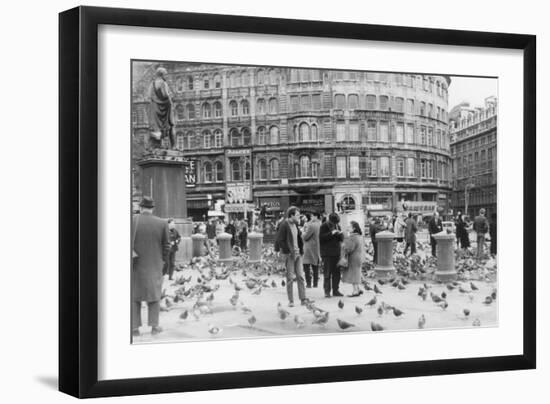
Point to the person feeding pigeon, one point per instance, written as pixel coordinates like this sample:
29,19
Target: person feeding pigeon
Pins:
151,243
175,239
290,246
435,226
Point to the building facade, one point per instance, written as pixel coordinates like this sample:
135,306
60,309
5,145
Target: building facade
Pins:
474,153
319,139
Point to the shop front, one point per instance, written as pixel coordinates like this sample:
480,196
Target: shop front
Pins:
308,203
197,209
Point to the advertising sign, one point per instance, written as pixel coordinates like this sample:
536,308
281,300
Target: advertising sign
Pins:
238,192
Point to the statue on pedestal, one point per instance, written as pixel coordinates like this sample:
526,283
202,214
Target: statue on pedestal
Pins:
161,122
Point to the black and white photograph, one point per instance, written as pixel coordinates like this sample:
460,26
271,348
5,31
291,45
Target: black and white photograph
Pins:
273,201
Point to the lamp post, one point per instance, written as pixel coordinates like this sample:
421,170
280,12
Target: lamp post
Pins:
467,187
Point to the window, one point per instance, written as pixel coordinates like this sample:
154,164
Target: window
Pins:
190,111
354,132
262,170
179,141
423,172
353,101
430,110
341,132
206,82
245,79
235,138
327,166
384,131
354,166
340,101
187,140
314,134
273,106
383,77
314,170
315,76
316,101
423,135
206,111
218,138
208,175
244,107
274,166
410,167
410,106
305,167
236,174
217,81
398,78
304,132
293,75
234,108
398,104
179,85
384,102
408,80
372,76
218,168
438,116
235,80
260,77
304,75
180,112
273,77
305,102
371,101
371,130
341,167
430,168
189,83
384,166
217,109
260,135
294,103
260,106
247,171
430,136
274,135
399,132
207,139
400,166
372,167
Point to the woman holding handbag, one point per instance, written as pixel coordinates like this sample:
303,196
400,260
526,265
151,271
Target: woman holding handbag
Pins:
354,246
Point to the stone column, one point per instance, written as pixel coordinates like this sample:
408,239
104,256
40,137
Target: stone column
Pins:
185,248
255,247
445,252
384,267
198,244
224,243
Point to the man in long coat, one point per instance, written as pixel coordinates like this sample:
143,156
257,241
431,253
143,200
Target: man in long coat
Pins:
151,244
434,226
312,254
410,234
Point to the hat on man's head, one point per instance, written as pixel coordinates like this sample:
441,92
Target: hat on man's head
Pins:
147,202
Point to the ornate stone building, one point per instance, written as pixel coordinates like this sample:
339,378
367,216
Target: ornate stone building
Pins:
474,153
319,139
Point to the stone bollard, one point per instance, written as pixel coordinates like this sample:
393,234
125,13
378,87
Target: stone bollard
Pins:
445,252
255,247
384,267
198,244
224,244
185,248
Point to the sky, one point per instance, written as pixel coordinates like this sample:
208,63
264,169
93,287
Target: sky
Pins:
471,89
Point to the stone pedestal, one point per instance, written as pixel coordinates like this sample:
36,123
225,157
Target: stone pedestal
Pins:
445,252
255,247
198,245
384,267
224,244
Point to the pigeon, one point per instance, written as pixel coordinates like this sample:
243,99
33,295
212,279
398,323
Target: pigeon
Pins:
252,320
397,312
466,312
196,315
283,283
436,298
404,281
358,310
371,302
283,314
443,295
340,304
473,286
257,291
376,290
368,288
237,287
395,283
250,284
421,321
476,323
488,300
494,294
213,329
443,304
421,291
204,309
322,319
299,321
273,284
376,327
246,309
168,303
234,299
344,325
380,310
462,290
184,314
210,298
450,287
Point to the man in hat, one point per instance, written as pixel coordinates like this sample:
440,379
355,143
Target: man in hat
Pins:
151,245
160,111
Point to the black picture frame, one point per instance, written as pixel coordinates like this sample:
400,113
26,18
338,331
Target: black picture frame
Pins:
78,196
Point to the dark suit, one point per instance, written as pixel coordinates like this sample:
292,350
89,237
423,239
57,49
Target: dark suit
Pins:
170,263
435,226
152,245
331,248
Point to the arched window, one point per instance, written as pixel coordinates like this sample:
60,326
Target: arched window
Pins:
262,170
233,108
260,135
247,138
274,135
179,141
272,77
260,106
207,169
188,140
353,101
206,110
190,83
348,203
235,80
207,139
190,108
304,132
179,85
217,81
236,171
244,107
273,108
340,101
260,78
305,167
245,79
235,137
205,82
274,168
218,138
180,112
218,171
217,109
247,171
314,133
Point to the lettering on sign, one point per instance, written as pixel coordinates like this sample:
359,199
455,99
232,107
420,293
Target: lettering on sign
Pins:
190,173
238,193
